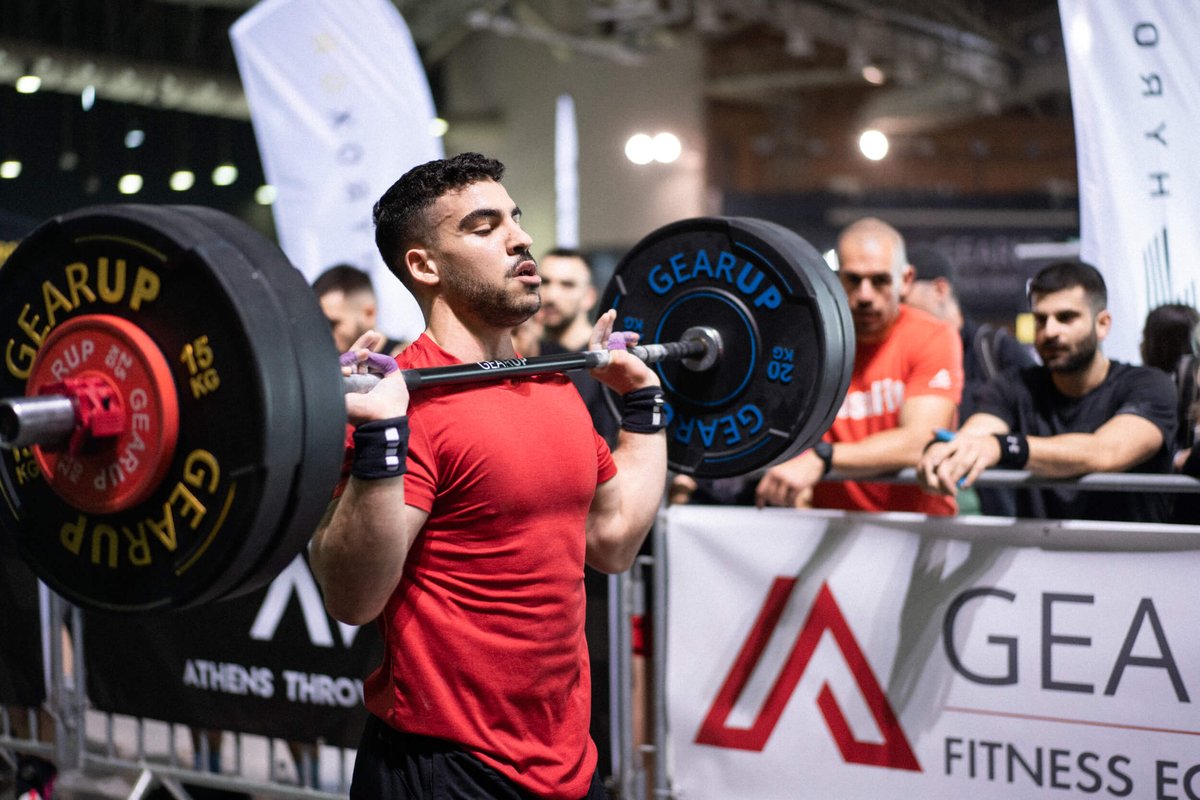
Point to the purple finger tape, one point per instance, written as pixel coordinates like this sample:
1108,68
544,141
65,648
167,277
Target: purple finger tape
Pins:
619,340
376,362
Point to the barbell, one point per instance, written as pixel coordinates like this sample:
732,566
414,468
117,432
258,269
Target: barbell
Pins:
175,423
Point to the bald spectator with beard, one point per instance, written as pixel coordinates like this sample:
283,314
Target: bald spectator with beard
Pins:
907,381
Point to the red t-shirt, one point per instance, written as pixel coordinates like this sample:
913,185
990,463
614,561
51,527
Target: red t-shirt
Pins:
483,638
920,356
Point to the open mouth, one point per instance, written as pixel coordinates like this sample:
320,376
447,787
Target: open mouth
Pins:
526,269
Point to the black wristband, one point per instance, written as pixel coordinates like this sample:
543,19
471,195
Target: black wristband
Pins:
824,451
643,410
1014,450
380,449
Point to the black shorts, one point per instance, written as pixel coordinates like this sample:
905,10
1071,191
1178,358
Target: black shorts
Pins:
399,766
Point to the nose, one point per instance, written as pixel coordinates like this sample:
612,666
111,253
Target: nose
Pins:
519,241
862,291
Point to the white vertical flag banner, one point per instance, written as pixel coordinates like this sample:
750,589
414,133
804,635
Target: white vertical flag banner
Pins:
1135,91
341,108
566,173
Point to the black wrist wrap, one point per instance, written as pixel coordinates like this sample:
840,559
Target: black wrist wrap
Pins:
643,410
1014,450
380,449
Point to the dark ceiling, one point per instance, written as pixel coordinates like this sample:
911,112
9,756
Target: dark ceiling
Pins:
973,93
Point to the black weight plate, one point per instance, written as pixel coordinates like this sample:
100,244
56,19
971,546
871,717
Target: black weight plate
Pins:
319,407
273,357
221,339
835,318
788,344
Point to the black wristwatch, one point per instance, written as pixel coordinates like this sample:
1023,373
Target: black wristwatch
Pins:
824,451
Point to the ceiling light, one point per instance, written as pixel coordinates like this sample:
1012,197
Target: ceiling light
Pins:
181,180
666,147
134,138
265,195
68,160
28,84
640,149
10,168
438,127
224,174
873,144
874,75
87,98
129,183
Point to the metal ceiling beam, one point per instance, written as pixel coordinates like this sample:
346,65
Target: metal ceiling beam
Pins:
119,80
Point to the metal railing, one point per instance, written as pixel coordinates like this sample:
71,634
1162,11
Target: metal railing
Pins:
120,745
93,747
642,764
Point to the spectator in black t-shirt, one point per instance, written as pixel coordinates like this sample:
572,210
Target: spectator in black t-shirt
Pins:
568,296
1078,413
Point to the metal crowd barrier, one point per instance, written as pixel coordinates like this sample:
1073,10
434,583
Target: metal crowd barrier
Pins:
99,753
100,746
640,767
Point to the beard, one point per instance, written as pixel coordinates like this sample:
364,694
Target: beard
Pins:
558,327
1071,360
503,305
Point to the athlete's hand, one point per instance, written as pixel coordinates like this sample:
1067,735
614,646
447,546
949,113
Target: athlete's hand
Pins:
624,372
790,484
388,398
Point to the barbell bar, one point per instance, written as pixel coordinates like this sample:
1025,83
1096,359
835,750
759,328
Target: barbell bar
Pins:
50,421
207,373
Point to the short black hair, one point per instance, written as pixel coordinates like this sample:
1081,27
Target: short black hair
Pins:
1068,274
568,252
399,214
345,278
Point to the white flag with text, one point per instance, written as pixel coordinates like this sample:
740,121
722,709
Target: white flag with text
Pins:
341,108
1135,91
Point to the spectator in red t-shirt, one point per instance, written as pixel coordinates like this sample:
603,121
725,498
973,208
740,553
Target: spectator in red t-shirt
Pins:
907,382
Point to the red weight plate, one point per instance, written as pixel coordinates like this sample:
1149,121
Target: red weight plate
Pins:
112,473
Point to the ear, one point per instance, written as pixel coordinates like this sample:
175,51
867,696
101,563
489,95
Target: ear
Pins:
942,287
589,298
421,267
370,312
1103,324
907,276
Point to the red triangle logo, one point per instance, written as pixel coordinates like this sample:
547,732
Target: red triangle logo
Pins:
894,751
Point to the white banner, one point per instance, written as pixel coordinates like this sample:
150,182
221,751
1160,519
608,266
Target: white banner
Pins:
830,655
1135,90
566,173
341,109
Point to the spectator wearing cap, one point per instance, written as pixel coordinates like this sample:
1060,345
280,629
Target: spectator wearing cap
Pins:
987,350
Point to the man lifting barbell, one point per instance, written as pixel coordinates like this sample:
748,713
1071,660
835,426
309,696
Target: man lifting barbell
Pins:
471,546
174,418
173,413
